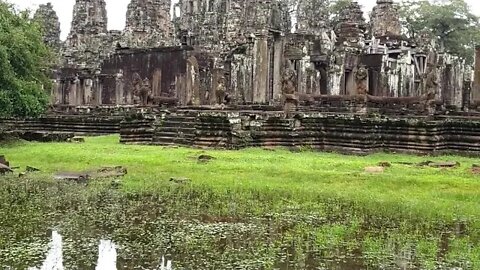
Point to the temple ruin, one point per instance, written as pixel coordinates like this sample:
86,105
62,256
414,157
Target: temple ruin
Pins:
251,72
239,50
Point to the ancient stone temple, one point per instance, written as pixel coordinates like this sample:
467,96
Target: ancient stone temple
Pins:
89,41
236,73
48,19
236,52
149,24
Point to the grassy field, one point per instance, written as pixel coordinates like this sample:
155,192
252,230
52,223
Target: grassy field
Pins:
318,209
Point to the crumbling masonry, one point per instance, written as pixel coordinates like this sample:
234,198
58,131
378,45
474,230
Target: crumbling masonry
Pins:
237,52
260,56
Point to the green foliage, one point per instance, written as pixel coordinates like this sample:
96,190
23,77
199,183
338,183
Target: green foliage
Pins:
24,64
335,9
337,6
451,22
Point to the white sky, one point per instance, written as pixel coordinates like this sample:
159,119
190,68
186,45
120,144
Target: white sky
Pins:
118,8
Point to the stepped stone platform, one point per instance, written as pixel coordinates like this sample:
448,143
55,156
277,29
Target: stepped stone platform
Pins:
355,131
347,133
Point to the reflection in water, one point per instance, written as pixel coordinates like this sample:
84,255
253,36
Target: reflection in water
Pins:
165,265
107,256
54,259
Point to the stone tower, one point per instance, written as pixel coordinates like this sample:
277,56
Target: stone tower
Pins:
148,23
89,40
47,17
89,17
351,27
385,20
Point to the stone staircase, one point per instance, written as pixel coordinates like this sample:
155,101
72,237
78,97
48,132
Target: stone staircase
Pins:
213,131
176,129
276,132
87,125
139,131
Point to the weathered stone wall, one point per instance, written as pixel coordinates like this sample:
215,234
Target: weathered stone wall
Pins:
162,68
342,133
79,125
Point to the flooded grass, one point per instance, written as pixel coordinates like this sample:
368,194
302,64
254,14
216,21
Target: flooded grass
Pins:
249,209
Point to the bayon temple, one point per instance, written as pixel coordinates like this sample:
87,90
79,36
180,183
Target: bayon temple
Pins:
207,52
233,73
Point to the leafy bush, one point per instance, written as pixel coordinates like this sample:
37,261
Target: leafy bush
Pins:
24,64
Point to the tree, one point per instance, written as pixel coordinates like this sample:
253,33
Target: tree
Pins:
450,22
336,7
24,64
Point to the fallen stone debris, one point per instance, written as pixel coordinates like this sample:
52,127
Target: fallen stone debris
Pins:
4,165
78,177
205,158
385,164
442,164
109,172
28,169
4,161
76,140
180,180
5,169
32,169
84,177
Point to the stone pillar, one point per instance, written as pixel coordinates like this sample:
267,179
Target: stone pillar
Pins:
56,97
97,92
476,82
80,95
72,93
277,70
119,100
88,91
261,64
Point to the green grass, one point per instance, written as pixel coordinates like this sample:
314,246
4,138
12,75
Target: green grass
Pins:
303,177
318,201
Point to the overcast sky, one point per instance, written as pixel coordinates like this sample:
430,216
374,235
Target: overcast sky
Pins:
118,8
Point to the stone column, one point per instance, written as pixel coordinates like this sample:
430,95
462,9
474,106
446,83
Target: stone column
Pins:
72,93
88,91
97,91
119,85
261,64
476,82
277,70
